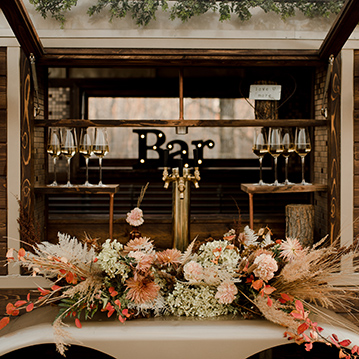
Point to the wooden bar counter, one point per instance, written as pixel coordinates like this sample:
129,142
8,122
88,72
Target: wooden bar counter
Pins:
251,189
109,189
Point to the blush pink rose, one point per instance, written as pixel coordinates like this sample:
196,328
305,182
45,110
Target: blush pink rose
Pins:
134,218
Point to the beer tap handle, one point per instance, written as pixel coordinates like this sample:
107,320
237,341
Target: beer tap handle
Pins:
165,175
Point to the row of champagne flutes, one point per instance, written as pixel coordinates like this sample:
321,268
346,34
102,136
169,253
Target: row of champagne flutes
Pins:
63,141
280,142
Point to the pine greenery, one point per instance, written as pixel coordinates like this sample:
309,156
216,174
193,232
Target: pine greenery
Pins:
144,11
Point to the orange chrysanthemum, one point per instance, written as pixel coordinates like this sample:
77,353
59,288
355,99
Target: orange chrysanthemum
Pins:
141,289
168,257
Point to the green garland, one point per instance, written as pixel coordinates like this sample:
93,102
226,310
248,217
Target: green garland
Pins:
143,11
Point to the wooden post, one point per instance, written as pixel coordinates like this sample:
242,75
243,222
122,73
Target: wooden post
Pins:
300,223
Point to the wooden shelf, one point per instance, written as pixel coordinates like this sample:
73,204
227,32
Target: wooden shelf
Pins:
179,123
110,189
78,189
251,189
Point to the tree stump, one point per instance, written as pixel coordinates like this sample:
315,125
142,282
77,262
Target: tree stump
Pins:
300,223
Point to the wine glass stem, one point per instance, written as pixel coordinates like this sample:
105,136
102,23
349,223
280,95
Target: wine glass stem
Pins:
55,160
87,169
260,170
100,163
68,170
275,170
303,180
286,170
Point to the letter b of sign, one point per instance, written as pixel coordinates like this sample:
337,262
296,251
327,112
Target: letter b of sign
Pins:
144,147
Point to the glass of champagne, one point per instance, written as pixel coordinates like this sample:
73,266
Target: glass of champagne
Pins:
302,146
100,147
68,149
260,148
288,149
54,148
86,149
275,148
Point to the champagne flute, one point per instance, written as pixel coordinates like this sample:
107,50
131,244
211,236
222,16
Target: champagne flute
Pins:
68,149
302,146
100,147
260,148
275,148
86,149
54,148
288,149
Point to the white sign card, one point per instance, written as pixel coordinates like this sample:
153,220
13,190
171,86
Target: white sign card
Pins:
265,92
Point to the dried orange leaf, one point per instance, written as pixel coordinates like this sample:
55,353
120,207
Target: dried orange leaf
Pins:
345,342
257,284
299,306
43,291
125,313
302,328
19,303
21,252
10,308
114,293
78,323
30,307
268,289
4,322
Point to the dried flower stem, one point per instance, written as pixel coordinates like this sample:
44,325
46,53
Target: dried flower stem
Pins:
142,194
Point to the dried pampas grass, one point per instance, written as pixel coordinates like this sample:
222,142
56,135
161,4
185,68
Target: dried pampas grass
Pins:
313,274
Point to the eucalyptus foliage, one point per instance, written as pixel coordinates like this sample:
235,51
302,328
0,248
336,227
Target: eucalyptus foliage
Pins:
143,11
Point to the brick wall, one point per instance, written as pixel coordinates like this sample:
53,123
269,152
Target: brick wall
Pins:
39,154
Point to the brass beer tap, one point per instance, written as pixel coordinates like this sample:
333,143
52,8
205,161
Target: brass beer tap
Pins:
180,179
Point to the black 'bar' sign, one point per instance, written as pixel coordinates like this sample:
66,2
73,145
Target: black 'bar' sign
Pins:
172,152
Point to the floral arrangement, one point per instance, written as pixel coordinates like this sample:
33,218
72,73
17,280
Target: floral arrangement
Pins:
245,274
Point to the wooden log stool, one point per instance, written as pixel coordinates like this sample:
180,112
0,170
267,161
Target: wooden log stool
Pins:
299,224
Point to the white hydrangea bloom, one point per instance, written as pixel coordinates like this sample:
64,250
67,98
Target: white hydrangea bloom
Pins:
221,252
110,260
197,301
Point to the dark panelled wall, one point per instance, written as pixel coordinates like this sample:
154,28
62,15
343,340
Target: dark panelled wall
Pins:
356,141
3,152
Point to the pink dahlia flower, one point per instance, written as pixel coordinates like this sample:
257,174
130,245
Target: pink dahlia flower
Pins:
193,272
226,292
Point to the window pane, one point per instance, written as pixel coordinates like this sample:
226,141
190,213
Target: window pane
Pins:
229,142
